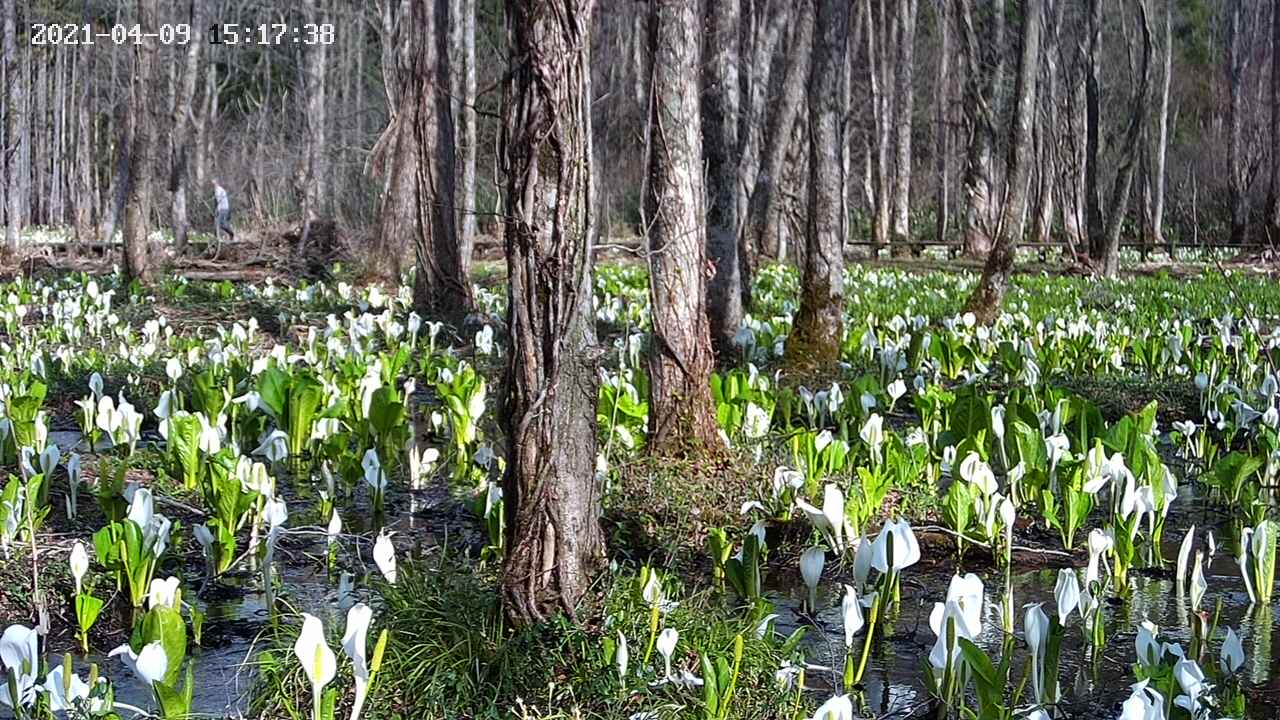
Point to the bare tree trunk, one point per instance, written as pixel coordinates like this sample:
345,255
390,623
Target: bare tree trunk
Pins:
1120,190
762,223
467,229
184,96
1236,64
1273,185
553,500
314,176
882,72
815,338
903,121
680,357
13,126
142,164
942,126
720,140
82,183
986,298
1162,133
416,155
982,78
1093,110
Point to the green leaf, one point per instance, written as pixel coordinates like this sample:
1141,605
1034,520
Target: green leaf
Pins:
165,625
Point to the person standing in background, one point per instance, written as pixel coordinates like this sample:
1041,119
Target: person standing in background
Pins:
222,216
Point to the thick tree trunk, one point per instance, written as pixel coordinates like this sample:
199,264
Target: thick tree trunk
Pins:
553,500
818,329
1120,190
13,126
981,87
1236,62
882,71
680,358
762,223
903,122
416,153
986,298
180,135
720,141
142,156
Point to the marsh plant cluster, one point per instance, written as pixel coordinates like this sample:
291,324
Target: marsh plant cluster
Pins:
153,459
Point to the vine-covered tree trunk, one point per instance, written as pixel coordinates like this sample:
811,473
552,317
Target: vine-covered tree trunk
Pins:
682,414
816,334
986,298
553,501
720,140
142,156
13,127
416,153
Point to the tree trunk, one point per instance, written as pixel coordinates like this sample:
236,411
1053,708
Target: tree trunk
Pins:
1236,63
83,181
1120,190
1162,133
142,164
1093,110
942,126
467,228
184,97
720,140
816,335
982,78
986,298
315,165
680,357
904,95
553,500
417,154
13,126
1273,185
762,224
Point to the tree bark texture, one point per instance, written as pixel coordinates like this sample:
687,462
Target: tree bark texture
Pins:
181,129
1273,185
553,500
986,298
680,355
315,172
1130,143
903,123
720,110
142,156
416,153
818,327
1160,154
1236,64
983,70
763,212
13,126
